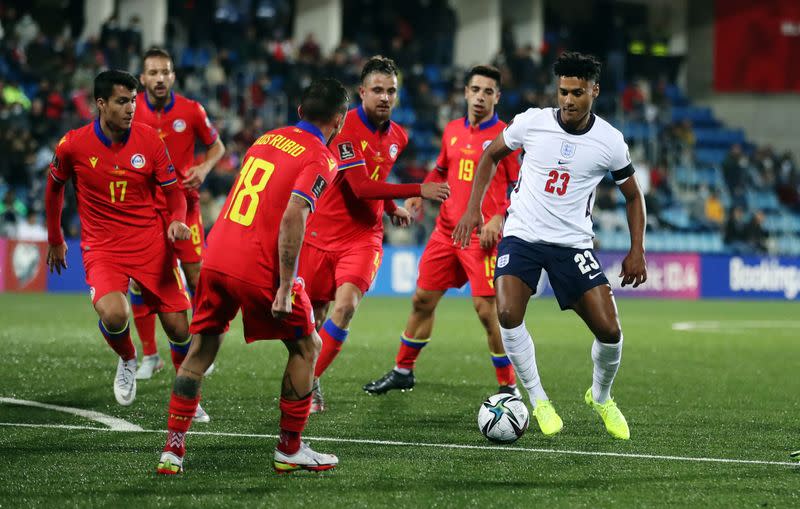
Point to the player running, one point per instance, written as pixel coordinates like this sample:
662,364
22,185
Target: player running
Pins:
343,245
250,265
116,165
179,122
444,265
567,152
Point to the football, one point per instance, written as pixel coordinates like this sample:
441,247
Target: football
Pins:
503,418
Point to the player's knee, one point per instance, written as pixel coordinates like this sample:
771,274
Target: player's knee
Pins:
422,304
485,311
115,318
177,328
609,333
508,317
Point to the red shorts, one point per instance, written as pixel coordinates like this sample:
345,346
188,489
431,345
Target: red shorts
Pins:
191,250
156,272
444,266
220,296
325,271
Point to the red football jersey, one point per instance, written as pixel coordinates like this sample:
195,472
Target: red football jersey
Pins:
244,241
342,217
179,124
115,184
462,147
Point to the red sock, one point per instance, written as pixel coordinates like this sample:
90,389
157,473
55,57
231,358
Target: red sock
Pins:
333,338
294,415
505,375
181,412
120,341
409,351
145,323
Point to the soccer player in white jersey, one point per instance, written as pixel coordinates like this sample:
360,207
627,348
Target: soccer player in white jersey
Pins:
568,151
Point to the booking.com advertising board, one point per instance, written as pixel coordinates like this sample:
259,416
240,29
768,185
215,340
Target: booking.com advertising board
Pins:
670,275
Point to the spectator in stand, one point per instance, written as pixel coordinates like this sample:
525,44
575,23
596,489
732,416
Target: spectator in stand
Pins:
755,234
736,237
734,170
12,209
714,210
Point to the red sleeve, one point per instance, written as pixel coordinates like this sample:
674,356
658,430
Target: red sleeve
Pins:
436,175
348,154
163,169
53,203
366,188
441,161
389,206
313,180
60,171
176,203
203,128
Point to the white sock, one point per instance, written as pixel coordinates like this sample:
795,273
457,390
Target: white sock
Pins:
519,349
402,371
606,357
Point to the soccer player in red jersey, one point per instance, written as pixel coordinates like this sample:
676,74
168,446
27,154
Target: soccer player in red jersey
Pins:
343,244
179,122
250,265
116,165
444,265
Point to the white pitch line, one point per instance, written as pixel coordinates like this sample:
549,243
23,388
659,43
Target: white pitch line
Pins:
441,446
112,422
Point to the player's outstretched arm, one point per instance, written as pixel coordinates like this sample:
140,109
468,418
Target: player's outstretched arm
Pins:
487,166
54,202
290,239
367,189
634,266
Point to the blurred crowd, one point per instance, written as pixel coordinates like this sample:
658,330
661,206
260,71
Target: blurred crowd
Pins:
248,72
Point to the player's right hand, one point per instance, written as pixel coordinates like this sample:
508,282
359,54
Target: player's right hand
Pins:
437,191
471,220
282,305
178,231
57,257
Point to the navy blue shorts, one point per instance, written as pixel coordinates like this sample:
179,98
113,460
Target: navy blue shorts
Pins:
572,271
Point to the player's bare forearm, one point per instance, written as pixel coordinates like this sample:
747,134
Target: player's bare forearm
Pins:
214,154
487,166
635,211
290,238
472,218
634,265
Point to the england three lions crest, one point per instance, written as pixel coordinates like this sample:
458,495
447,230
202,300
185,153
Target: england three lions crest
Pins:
567,149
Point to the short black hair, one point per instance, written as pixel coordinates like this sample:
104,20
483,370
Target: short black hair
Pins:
324,99
157,52
381,64
105,81
489,71
578,65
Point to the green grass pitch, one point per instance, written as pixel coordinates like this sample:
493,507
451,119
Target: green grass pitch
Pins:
726,388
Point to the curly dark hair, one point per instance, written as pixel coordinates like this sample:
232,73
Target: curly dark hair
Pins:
578,65
381,64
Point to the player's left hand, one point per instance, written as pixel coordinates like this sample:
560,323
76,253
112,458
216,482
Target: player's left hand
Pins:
490,233
57,257
401,217
282,305
178,231
634,268
195,176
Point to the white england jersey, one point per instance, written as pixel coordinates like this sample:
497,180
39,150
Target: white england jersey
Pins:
553,200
